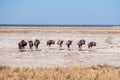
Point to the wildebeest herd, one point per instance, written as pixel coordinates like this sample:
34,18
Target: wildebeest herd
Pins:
36,43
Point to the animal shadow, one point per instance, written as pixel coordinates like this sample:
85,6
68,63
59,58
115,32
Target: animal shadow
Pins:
38,49
70,49
22,51
61,49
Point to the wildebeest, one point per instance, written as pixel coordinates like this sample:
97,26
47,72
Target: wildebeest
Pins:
91,44
36,43
60,42
68,43
30,44
80,43
50,42
22,44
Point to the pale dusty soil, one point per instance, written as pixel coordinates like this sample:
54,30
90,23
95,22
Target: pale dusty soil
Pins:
107,50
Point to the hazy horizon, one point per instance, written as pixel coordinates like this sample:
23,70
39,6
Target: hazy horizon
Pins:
54,25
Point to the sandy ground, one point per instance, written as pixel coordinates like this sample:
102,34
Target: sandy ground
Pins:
107,50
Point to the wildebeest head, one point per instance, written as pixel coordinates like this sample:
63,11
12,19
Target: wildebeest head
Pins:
80,43
60,42
30,44
50,42
94,43
36,43
68,43
22,44
91,44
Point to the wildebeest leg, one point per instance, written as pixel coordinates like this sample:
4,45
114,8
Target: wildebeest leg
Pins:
80,48
68,47
23,47
60,46
31,47
90,48
20,48
36,47
49,46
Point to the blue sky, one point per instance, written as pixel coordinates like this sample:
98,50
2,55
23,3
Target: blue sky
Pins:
76,12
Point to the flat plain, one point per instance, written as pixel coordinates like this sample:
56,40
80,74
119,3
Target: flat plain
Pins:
106,52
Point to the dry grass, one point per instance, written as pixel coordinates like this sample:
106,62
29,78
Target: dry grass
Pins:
86,30
99,72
